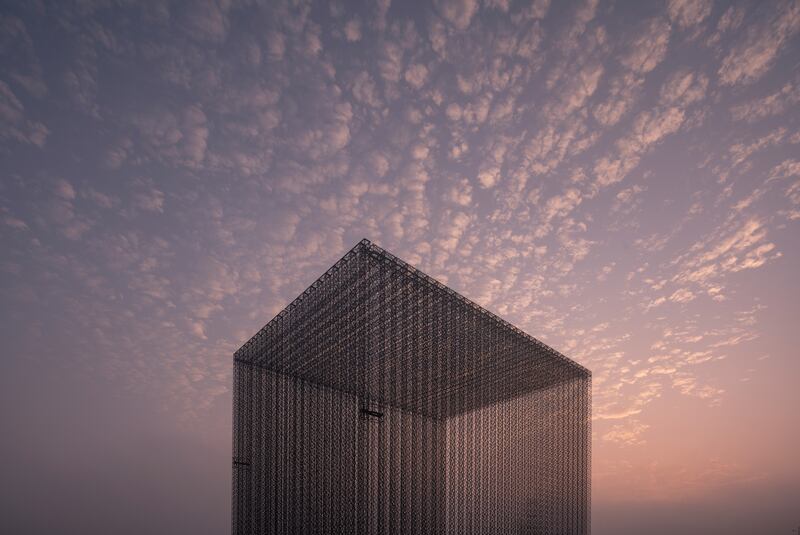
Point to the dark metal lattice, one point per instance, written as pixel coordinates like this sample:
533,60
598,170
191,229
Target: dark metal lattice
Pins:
381,402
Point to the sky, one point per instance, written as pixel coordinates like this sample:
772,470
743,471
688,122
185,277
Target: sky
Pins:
619,179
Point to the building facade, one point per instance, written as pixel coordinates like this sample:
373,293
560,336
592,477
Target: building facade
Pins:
382,402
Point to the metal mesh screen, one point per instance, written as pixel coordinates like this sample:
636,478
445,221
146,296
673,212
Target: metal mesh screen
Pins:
381,401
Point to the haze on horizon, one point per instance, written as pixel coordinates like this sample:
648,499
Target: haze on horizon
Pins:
619,179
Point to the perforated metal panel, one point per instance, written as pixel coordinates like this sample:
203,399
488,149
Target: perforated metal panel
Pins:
380,402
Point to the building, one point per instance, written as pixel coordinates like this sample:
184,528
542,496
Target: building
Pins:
382,402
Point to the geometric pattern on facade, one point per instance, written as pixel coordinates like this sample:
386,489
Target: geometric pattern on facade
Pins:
380,401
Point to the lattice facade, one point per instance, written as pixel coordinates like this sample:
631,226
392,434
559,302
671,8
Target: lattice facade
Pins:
382,402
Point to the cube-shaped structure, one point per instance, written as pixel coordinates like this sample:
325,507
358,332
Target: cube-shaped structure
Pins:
382,402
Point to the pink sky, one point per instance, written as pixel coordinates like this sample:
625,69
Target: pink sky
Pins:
619,179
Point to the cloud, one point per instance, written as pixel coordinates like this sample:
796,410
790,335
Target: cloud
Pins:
787,168
276,45
731,19
756,257
453,111
460,193
689,386
312,45
477,111
118,153
382,7
626,195
530,42
416,75
561,205
501,5
459,13
584,14
755,54
682,295
352,30
453,228
649,47
550,146
14,125
80,80
208,20
623,92
688,13
195,135
751,232
64,189
151,201
649,128
627,200
740,152
62,214
419,151
724,253
773,104
536,9
365,91
489,177
617,414
683,88
629,434
20,61
379,163
578,89
610,171
390,64
15,223
180,140
198,329
413,180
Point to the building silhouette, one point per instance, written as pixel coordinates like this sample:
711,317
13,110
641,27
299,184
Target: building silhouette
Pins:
382,402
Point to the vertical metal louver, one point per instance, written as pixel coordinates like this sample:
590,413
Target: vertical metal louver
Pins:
382,402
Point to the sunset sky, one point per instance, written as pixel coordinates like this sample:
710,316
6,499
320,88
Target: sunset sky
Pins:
619,179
